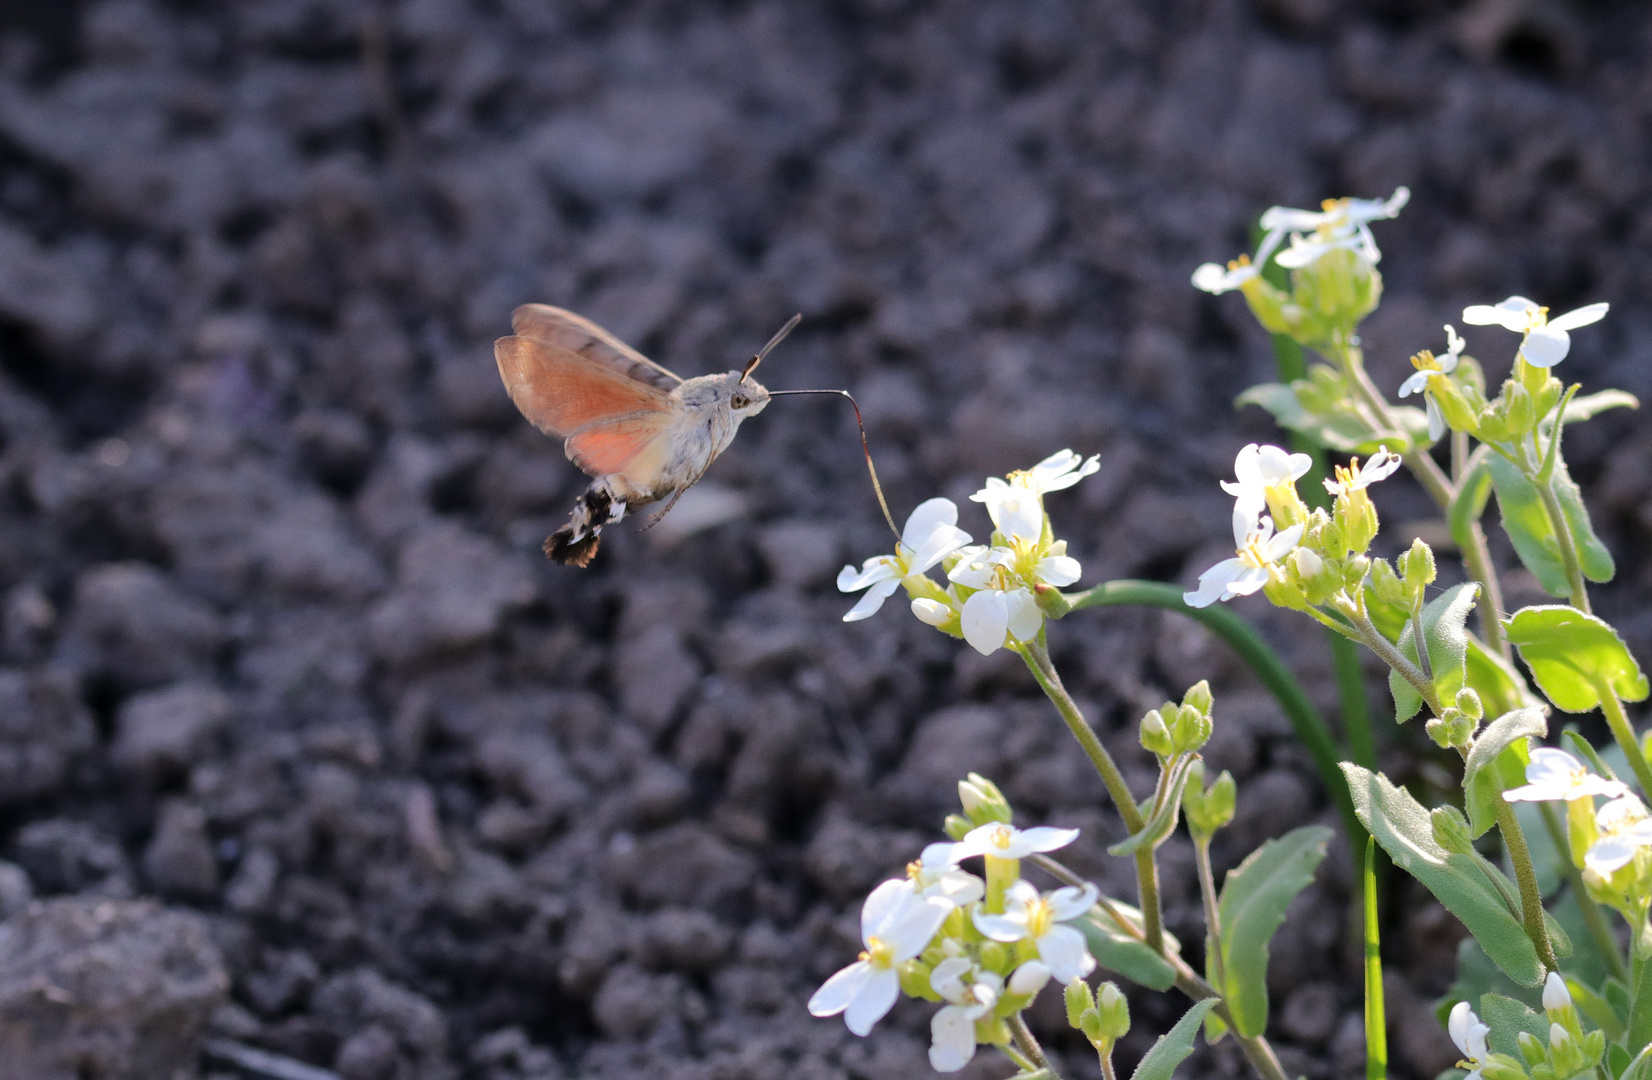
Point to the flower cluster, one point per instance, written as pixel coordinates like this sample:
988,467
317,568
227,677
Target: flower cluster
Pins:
1567,1052
990,597
1615,838
1339,225
1265,480
983,946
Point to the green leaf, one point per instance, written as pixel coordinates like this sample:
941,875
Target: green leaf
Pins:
1254,898
1447,641
1162,822
1501,688
1120,951
1173,1047
1571,654
1640,1068
1336,427
1478,976
1589,406
1403,828
1527,522
1596,1008
1498,762
1472,493
1640,1013
1507,1018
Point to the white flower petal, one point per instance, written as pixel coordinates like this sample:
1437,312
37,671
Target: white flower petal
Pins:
1555,994
1582,316
1545,346
1289,219
1515,313
1063,949
913,931
1302,253
947,980
1043,838
873,1001
1072,901
985,620
1024,618
952,1039
1248,582
872,601
1609,853
1281,545
1212,278
925,518
936,546
1436,419
836,993
1029,978
1215,582
1462,1018
877,568
1416,384
1059,570
999,927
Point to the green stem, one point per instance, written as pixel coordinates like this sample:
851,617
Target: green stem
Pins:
1213,915
1391,655
1029,1045
1418,460
1531,900
1147,872
1605,943
1618,721
1477,559
1255,1047
1568,546
1305,720
1376,1023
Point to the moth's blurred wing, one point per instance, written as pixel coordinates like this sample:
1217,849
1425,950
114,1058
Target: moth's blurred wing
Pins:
634,446
560,391
553,325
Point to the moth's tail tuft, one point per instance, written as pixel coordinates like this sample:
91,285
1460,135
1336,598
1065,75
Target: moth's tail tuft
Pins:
575,544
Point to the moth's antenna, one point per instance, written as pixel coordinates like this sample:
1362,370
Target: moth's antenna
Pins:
865,447
779,336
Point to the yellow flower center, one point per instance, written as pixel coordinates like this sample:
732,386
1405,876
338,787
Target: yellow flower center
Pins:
1001,837
879,953
1253,552
1039,917
1426,361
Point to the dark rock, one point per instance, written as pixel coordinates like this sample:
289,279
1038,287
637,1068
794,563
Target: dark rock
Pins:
161,733
451,590
133,624
43,729
70,856
129,989
178,861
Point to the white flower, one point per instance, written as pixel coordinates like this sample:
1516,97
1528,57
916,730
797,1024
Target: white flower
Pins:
1624,829
1003,841
1428,364
952,1030
935,873
1057,567
1546,342
1342,223
896,924
1248,571
1356,477
1554,775
932,612
993,616
1016,505
1031,916
1258,468
931,534
1469,1034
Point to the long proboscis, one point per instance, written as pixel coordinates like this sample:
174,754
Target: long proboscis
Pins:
865,447
779,336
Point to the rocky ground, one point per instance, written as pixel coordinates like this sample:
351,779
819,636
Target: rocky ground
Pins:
279,647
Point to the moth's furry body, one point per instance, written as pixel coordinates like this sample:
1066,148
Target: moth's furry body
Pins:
643,433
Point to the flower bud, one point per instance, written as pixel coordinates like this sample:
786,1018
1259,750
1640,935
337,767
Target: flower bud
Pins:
1451,729
1155,736
1385,584
1029,978
997,957
933,612
1340,287
1114,1012
1190,729
1468,703
1417,567
1556,998
1079,998
1531,1048
914,979
1356,520
1451,830
1503,1067
1208,810
1199,697
957,826
983,802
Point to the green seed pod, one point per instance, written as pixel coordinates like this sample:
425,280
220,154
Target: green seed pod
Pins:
983,802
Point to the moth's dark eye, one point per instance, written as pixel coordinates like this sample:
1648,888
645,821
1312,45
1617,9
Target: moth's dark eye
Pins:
739,401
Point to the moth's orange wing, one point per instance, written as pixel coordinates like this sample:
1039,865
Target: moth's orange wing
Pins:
556,326
631,446
560,391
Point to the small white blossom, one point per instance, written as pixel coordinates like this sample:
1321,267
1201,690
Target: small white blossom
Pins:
932,612
1003,841
896,924
935,873
1555,775
1342,223
1624,829
1032,916
1016,505
970,994
1248,570
1356,477
1256,469
1546,341
1429,364
931,534
1469,1034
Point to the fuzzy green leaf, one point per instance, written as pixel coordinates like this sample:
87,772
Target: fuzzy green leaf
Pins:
1254,898
1173,1047
1447,642
1527,522
1403,827
1501,688
1507,1018
1572,654
1121,952
1587,406
1497,762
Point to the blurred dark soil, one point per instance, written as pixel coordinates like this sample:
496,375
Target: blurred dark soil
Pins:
280,650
